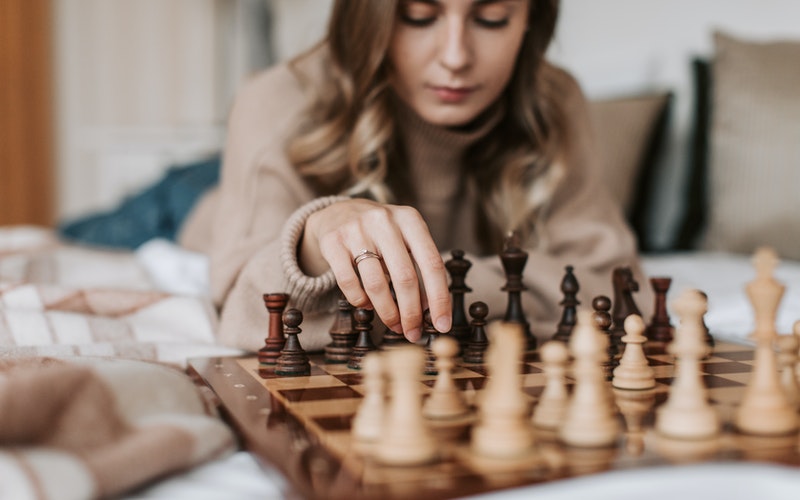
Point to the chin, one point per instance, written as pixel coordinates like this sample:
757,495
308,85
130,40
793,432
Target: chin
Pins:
449,117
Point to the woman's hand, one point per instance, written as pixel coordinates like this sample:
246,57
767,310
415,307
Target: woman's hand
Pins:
399,251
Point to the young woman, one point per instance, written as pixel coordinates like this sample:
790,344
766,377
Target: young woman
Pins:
416,127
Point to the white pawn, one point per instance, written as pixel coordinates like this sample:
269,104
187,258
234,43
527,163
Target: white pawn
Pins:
368,421
765,409
406,438
549,412
445,400
633,371
591,419
504,428
787,359
687,414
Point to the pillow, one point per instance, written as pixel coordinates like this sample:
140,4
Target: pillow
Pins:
630,133
754,163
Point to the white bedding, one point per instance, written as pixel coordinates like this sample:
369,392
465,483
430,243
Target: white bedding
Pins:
33,258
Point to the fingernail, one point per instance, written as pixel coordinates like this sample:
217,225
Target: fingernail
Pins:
443,324
413,335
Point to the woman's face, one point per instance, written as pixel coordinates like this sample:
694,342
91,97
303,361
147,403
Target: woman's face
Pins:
451,59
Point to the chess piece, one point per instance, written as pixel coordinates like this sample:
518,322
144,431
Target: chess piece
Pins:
624,305
268,355
570,288
787,359
458,267
363,318
634,407
293,361
445,399
590,420
406,438
503,429
687,413
796,332
709,338
634,372
549,411
765,409
478,342
391,338
343,335
368,421
514,259
432,334
602,318
660,328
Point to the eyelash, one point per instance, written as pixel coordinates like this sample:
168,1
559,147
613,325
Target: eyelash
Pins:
427,21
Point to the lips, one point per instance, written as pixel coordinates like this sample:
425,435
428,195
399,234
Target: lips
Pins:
452,94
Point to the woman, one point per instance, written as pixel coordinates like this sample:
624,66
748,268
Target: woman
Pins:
414,128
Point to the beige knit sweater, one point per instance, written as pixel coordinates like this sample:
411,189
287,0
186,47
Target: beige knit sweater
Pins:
263,204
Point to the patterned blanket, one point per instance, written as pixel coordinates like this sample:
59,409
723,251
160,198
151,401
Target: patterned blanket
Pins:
93,401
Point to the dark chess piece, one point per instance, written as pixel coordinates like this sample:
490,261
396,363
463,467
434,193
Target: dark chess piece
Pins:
273,344
458,267
602,318
343,334
660,329
514,260
393,339
432,334
478,342
293,361
363,318
623,305
569,287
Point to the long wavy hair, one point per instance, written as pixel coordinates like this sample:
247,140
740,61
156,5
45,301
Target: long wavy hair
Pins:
347,142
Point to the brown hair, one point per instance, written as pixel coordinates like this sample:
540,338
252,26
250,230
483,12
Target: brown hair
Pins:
347,144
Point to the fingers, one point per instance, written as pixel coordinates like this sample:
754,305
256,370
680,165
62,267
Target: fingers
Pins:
407,252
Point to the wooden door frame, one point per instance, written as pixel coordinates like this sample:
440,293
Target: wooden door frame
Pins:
26,112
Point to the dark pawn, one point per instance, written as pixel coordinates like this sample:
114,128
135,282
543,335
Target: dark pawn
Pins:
293,361
458,267
364,344
393,339
660,328
514,260
343,334
478,341
569,287
602,318
273,344
433,334
624,305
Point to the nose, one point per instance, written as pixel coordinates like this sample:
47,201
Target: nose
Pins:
455,53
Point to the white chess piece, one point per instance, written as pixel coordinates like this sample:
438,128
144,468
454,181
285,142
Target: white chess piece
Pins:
633,371
765,409
549,411
687,414
787,359
445,400
406,438
368,421
504,429
591,419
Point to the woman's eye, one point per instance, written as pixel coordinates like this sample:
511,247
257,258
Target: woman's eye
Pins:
492,16
418,14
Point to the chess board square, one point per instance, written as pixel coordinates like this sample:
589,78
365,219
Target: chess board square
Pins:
268,372
710,381
525,370
319,393
333,423
349,378
729,367
736,355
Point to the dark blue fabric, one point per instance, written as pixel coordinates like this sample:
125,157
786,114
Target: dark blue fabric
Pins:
156,212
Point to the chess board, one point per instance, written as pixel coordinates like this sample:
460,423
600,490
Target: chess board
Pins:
301,425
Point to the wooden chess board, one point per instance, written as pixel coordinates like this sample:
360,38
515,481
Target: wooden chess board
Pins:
301,426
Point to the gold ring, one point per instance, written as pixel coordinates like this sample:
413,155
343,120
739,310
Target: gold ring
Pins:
365,254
